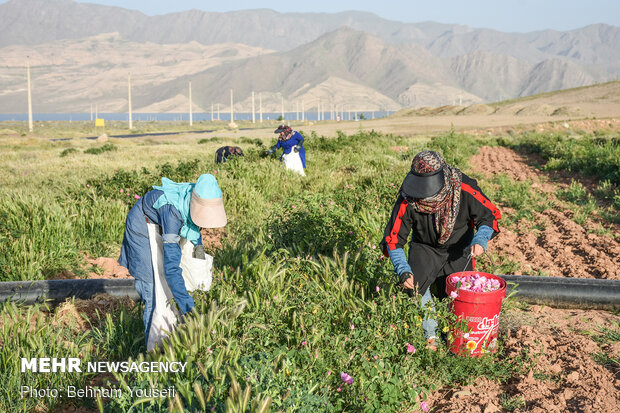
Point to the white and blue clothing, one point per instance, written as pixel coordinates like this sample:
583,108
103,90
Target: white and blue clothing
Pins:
136,249
287,145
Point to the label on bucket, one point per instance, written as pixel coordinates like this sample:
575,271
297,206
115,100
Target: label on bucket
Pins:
484,332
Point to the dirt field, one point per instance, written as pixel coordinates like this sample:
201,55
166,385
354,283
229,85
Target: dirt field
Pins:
563,248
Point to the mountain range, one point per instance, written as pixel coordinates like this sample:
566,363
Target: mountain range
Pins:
83,54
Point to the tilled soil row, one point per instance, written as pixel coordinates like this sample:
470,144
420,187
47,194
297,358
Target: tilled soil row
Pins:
563,248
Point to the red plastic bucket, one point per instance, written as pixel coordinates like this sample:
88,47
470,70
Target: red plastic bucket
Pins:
481,312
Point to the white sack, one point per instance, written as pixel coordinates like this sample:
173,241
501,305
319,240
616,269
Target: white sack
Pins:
293,162
196,274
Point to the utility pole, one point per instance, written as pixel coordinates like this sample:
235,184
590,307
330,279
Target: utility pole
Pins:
297,110
218,111
91,112
129,100
303,110
232,113
30,126
260,107
211,112
282,98
191,121
253,109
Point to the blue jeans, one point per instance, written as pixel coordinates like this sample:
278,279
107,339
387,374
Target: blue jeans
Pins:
136,257
429,323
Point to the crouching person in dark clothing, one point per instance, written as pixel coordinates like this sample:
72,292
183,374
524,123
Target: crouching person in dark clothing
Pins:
225,152
450,222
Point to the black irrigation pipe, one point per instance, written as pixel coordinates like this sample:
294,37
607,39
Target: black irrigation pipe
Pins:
561,292
56,291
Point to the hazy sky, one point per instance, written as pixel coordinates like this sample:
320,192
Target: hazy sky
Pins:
503,15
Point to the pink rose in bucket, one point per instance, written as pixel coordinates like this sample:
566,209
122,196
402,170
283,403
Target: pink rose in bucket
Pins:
476,283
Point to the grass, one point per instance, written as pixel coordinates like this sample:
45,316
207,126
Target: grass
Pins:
511,403
594,156
301,290
591,155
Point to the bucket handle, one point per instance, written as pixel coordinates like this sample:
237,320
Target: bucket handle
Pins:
470,257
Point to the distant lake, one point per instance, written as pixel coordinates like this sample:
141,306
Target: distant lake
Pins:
171,117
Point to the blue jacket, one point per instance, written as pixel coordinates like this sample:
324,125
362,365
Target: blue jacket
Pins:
287,146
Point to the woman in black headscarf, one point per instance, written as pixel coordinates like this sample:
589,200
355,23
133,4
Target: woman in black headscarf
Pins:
450,221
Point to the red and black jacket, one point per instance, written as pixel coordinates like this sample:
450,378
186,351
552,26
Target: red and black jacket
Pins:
475,209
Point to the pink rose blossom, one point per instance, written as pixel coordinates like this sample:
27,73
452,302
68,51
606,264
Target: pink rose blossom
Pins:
346,378
137,196
453,294
410,348
424,406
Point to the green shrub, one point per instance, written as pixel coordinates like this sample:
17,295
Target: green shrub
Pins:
67,151
107,147
208,140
